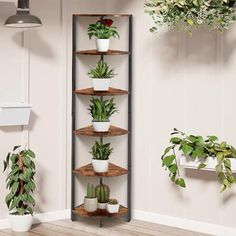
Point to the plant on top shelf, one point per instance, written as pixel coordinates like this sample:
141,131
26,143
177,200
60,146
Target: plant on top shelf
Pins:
20,183
188,14
103,194
103,30
90,200
200,150
113,206
101,111
101,76
101,153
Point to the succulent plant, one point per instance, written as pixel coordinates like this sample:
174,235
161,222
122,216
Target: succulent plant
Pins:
90,191
113,202
102,193
102,110
101,151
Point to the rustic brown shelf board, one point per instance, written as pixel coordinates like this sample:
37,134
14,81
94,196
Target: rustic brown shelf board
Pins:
113,171
100,213
103,15
113,131
111,92
95,52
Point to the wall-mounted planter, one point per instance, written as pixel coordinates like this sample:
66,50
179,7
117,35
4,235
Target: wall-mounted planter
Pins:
14,114
188,163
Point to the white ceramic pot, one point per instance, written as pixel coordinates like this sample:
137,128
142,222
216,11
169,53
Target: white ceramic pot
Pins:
102,45
100,166
20,223
102,206
101,126
113,208
101,84
90,204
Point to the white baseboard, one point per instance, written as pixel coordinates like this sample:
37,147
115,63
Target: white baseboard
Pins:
182,223
42,217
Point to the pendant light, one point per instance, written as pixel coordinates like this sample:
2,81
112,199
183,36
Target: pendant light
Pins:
23,18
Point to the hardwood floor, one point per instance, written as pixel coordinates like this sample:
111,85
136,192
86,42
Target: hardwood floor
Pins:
111,228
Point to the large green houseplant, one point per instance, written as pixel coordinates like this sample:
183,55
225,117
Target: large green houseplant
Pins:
189,14
21,185
198,148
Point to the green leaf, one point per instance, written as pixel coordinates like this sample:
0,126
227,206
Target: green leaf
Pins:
173,168
167,150
220,157
21,211
201,166
5,166
175,140
186,149
167,161
212,138
15,187
180,182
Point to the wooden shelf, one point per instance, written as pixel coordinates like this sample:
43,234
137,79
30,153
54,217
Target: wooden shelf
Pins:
103,15
109,52
113,171
111,92
113,131
100,213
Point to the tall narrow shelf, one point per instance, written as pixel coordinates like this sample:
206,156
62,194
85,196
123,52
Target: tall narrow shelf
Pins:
87,170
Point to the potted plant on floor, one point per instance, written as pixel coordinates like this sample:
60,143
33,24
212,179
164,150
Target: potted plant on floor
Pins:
20,183
198,149
101,76
103,194
90,201
101,111
113,206
102,30
101,153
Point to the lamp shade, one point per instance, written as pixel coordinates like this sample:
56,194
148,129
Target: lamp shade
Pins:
23,18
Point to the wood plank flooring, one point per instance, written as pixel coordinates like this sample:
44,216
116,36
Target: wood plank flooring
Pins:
110,228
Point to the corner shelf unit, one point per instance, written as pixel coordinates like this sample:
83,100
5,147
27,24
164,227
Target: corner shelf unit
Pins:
87,170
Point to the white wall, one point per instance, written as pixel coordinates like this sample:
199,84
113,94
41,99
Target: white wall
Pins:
179,81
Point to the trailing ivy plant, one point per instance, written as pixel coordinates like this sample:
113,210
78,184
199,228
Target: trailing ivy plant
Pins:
200,149
20,181
189,14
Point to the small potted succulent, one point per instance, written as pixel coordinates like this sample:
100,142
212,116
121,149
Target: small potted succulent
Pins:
90,201
101,111
101,153
102,30
20,183
101,76
103,194
113,206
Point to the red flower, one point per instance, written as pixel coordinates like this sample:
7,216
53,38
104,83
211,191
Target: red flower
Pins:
107,22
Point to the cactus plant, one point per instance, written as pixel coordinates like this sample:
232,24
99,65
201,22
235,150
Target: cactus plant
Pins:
90,191
113,202
102,193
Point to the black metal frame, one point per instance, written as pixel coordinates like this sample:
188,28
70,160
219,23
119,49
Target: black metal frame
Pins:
73,158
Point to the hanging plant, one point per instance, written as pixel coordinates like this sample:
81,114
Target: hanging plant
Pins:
198,148
185,15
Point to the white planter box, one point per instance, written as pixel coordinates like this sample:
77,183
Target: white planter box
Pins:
14,114
20,223
102,45
188,163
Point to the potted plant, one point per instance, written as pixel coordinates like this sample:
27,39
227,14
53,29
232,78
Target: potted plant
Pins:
102,30
188,15
103,194
20,183
113,206
101,111
101,153
101,76
90,201
201,150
